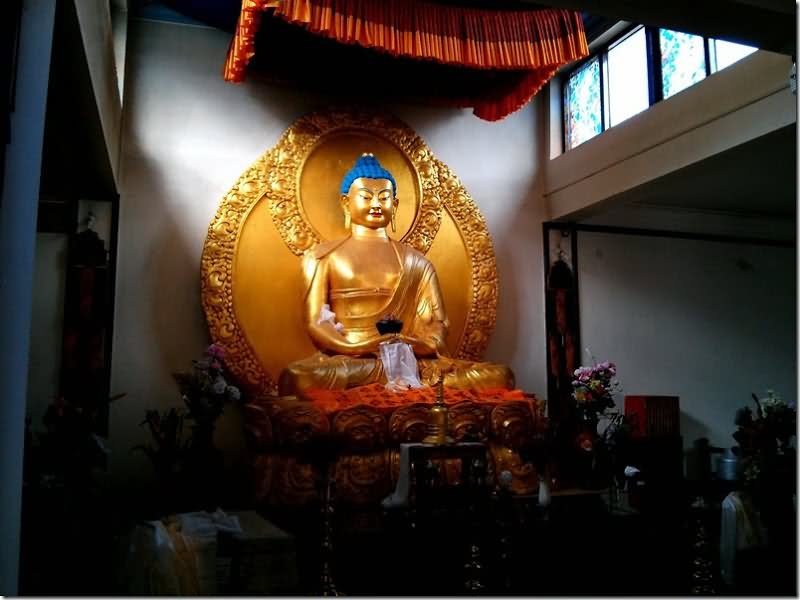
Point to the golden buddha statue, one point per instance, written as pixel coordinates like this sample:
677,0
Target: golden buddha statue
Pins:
352,283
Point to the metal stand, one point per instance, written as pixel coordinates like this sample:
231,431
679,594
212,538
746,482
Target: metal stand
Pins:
474,570
474,472
703,583
326,580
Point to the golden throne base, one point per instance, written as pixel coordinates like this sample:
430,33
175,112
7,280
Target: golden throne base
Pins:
280,434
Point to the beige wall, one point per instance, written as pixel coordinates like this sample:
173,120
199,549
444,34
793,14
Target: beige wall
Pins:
188,136
706,321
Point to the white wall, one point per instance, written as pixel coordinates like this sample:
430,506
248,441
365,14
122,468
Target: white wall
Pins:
709,322
188,136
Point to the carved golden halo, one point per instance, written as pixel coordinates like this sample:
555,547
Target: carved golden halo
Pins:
299,141
275,178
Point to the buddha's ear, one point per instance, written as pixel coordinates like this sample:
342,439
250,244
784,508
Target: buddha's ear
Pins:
345,202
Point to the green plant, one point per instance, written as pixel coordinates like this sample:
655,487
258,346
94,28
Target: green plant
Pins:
765,445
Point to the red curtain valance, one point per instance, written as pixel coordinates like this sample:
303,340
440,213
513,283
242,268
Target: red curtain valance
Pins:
533,42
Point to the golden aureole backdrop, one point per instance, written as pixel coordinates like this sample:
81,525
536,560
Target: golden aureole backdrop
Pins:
288,200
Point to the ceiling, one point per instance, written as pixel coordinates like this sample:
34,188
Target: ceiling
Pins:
747,191
748,180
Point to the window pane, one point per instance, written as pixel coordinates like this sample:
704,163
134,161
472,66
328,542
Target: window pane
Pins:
727,53
582,104
683,60
627,78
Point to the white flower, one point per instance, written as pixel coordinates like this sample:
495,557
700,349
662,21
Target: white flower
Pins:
772,400
219,385
234,393
631,471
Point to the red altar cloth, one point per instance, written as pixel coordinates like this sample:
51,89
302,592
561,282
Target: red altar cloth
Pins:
378,397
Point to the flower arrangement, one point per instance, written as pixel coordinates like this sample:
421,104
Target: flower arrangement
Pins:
205,390
772,428
764,440
594,388
189,470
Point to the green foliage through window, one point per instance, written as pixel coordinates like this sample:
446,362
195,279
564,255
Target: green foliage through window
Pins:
582,108
683,60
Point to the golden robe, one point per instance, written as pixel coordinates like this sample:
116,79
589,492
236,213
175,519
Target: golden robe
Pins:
416,300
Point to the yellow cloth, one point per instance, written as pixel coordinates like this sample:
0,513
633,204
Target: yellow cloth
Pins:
417,301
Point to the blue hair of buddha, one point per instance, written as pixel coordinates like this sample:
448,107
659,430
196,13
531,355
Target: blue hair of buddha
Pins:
366,166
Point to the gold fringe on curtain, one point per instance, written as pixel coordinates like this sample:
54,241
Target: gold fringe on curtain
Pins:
535,41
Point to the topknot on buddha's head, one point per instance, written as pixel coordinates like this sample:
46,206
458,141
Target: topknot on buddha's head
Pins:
366,166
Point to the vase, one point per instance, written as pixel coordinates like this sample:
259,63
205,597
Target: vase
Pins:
202,438
585,444
590,421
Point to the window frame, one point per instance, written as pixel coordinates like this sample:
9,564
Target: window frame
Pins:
602,54
654,73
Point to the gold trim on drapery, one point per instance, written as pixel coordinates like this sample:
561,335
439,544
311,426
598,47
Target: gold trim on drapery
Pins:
535,42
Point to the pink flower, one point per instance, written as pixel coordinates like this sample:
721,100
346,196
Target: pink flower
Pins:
595,384
215,351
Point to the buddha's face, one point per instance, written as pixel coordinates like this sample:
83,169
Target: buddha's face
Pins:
370,202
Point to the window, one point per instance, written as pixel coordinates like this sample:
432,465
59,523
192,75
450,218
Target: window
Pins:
582,108
724,54
683,60
626,67
641,67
